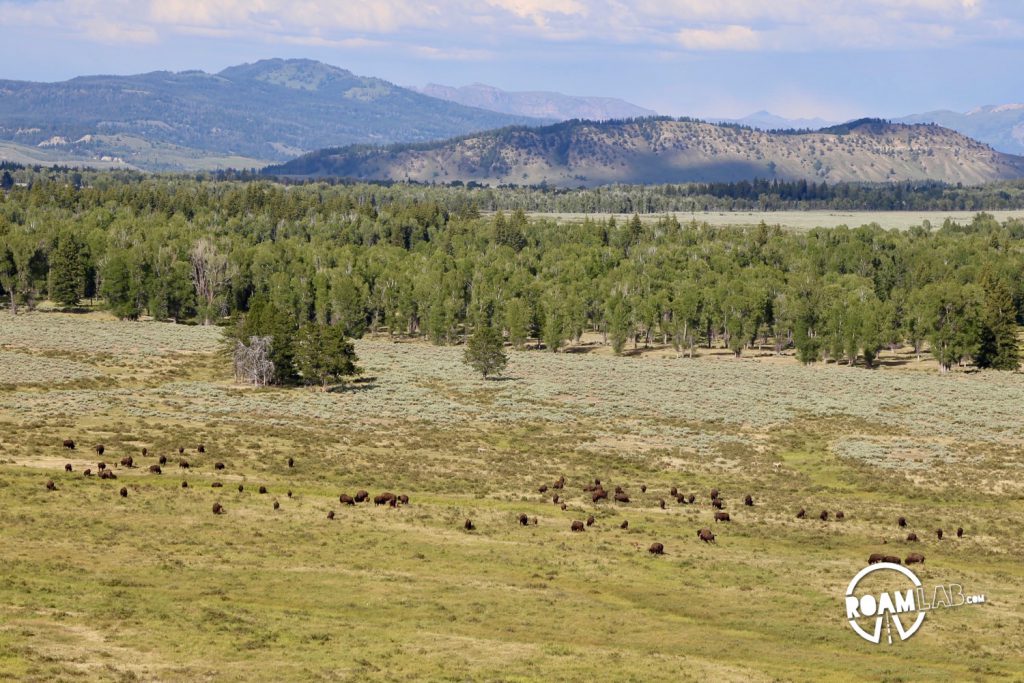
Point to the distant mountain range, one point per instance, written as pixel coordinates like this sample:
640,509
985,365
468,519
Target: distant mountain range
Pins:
1001,126
551,106
672,151
765,120
245,115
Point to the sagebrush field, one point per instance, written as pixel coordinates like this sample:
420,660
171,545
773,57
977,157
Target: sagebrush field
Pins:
153,586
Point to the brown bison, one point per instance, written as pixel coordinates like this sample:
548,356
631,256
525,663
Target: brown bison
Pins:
875,558
50,486
218,509
801,514
469,526
181,450
643,488
714,494
912,537
722,517
201,448
124,492
959,532
555,499
346,499
673,492
706,535
403,499
99,448
330,515
590,520
599,494
625,524
823,516
276,505
938,533
840,514
263,489
163,460
717,504
661,503
101,466
127,461
216,485
108,474
524,520
564,506
749,501
291,461
361,496
543,488
656,549
902,522
681,499
87,473
68,467
69,444
184,484
560,483
240,488
577,526
218,466
915,558
184,464
621,498
155,469
691,498
145,452
386,498
619,489
892,559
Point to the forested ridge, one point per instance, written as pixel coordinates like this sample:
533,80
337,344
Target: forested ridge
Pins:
421,260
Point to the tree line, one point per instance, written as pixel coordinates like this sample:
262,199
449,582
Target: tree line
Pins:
302,263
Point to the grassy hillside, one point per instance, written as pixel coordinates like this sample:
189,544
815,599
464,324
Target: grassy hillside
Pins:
669,151
273,109
155,587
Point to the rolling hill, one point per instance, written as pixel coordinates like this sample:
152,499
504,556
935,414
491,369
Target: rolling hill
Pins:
553,106
268,111
1001,126
663,150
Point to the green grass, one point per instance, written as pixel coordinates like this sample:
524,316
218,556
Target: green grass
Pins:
155,587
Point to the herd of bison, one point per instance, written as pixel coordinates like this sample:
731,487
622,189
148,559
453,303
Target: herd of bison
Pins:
595,490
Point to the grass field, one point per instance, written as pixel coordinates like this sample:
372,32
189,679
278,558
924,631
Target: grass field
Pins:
94,586
804,220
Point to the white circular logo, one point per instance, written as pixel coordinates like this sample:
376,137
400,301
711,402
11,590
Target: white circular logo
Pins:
889,608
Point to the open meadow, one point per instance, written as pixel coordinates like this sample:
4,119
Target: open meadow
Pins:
153,586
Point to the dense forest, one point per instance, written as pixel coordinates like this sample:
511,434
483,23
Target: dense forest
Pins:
311,260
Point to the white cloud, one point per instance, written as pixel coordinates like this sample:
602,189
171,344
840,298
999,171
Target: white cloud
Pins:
733,37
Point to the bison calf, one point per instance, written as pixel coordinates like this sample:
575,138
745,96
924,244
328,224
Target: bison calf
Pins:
330,515
590,520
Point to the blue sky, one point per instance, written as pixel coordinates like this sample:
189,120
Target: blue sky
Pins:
831,58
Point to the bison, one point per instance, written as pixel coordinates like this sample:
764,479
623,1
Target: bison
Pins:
681,499
469,526
840,514
661,503
524,520
706,535
155,469
184,464
801,514
717,504
560,483
291,462
330,515
289,494
599,494
938,533
127,461
823,516
564,506
124,492
625,524
69,444
555,499
577,525
403,499
50,486
361,496
218,466
714,494
276,505
68,467
145,452
216,485
218,509
108,474
912,537
87,473
673,492
543,488
181,450
892,559
875,558
184,484
902,522
915,558
621,498
101,466
959,532
749,501
346,499
656,549
201,448
163,460
590,520
643,488
722,517
240,488
99,448
263,489
690,498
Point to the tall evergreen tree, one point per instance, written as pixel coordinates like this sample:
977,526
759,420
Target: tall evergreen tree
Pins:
998,347
323,354
68,264
485,351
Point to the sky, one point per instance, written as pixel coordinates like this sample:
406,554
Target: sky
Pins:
834,59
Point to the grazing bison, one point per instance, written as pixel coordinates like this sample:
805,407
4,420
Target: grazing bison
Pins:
108,474
717,504
915,558
163,460
590,520
643,488
823,516
469,526
218,509
840,514
68,467
386,498
155,469
564,506
124,492
938,533
181,450
801,514
722,517
145,452
690,498
216,485
749,501
218,466
99,448
524,520
714,494
240,488
201,448
912,537
263,489
959,532
87,473
681,499
625,524
875,558
184,484
276,505
183,464
50,486
543,488
599,494
560,483
656,549
621,498
618,489
673,492
127,461
346,499
291,462
902,522
554,499
892,559
403,499
330,515
577,526
101,466
361,496
69,444
706,535
661,503
289,494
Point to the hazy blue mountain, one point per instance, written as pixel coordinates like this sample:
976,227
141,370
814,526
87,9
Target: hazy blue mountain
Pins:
765,120
271,110
1001,125
552,106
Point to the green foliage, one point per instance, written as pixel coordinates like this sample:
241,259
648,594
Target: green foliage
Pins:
998,346
485,351
67,269
323,354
